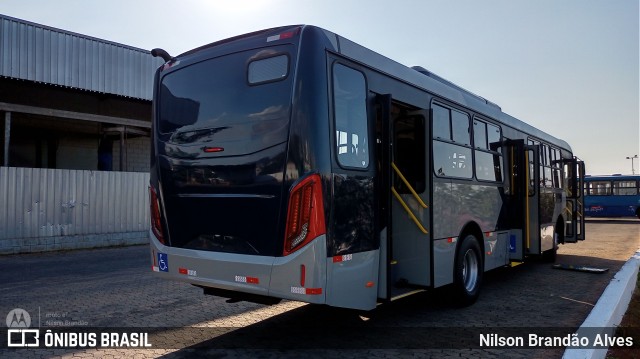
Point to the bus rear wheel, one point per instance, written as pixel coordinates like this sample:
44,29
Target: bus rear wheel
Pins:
468,272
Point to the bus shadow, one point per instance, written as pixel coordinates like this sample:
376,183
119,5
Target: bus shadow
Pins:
427,320
316,327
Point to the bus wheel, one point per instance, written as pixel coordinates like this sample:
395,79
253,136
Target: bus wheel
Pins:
558,237
638,212
468,272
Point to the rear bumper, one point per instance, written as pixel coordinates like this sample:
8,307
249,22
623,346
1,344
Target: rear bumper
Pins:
299,276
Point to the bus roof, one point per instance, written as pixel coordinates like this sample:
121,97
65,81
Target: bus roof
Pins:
416,76
435,84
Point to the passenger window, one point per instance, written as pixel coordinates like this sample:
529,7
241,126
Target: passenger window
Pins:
599,188
479,134
460,127
451,160
488,165
624,188
493,134
350,111
441,127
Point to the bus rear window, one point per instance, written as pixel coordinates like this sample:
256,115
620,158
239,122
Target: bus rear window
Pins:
216,100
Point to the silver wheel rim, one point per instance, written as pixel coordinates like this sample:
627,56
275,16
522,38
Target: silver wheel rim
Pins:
470,270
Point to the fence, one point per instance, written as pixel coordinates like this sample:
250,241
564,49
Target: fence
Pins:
55,209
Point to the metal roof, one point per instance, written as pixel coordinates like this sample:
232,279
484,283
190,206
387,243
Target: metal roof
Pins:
40,53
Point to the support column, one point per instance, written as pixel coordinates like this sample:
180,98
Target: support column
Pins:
7,137
122,147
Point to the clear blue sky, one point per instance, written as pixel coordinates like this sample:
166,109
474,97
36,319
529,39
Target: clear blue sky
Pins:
568,67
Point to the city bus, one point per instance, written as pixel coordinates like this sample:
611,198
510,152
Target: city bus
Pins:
292,163
612,196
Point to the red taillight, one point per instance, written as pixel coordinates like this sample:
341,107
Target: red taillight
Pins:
156,221
305,215
212,149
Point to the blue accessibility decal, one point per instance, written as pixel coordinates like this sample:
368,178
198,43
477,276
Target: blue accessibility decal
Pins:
512,244
163,262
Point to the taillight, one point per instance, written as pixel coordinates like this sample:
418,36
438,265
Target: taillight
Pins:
156,221
305,215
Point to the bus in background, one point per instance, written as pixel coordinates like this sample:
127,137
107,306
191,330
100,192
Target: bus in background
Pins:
612,196
292,163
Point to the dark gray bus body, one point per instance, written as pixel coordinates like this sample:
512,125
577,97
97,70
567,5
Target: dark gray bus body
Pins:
401,182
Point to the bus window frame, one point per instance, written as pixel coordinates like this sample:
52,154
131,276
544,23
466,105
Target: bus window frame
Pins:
334,127
451,141
487,148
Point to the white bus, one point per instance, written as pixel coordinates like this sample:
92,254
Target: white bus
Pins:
293,163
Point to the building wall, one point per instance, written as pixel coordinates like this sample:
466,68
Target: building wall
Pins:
77,153
61,94
40,53
54,209
137,154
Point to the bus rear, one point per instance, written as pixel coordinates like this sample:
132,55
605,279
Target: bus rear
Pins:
231,210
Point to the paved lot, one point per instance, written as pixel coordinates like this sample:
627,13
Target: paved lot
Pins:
114,288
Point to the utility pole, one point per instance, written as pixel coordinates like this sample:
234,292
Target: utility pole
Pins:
633,171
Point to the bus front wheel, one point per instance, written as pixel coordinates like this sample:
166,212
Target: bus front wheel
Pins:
468,271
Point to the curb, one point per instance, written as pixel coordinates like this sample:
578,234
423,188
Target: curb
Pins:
608,311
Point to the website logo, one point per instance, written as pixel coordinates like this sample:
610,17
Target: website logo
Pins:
18,335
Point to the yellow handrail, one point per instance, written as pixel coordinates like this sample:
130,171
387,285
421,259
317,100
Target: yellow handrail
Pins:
424,205
406,208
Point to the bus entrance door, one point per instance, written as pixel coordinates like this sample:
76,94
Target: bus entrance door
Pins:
574,211
524,180
407,244
532,200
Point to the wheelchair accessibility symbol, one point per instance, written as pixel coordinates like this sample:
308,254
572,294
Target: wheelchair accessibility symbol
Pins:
163,262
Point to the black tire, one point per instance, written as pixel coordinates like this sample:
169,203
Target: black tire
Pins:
467,275
551,255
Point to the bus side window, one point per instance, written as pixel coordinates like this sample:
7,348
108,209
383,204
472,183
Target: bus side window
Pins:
624,188
350,111
451,143
599,188
488,165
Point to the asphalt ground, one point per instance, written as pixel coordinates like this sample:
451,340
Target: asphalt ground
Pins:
113,288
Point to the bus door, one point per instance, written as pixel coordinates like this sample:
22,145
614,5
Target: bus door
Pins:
405,166
524,189
353,247
574,211
532,200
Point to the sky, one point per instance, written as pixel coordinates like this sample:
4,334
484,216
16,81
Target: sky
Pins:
567,67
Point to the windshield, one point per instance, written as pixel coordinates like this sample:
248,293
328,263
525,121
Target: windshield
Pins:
239,101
